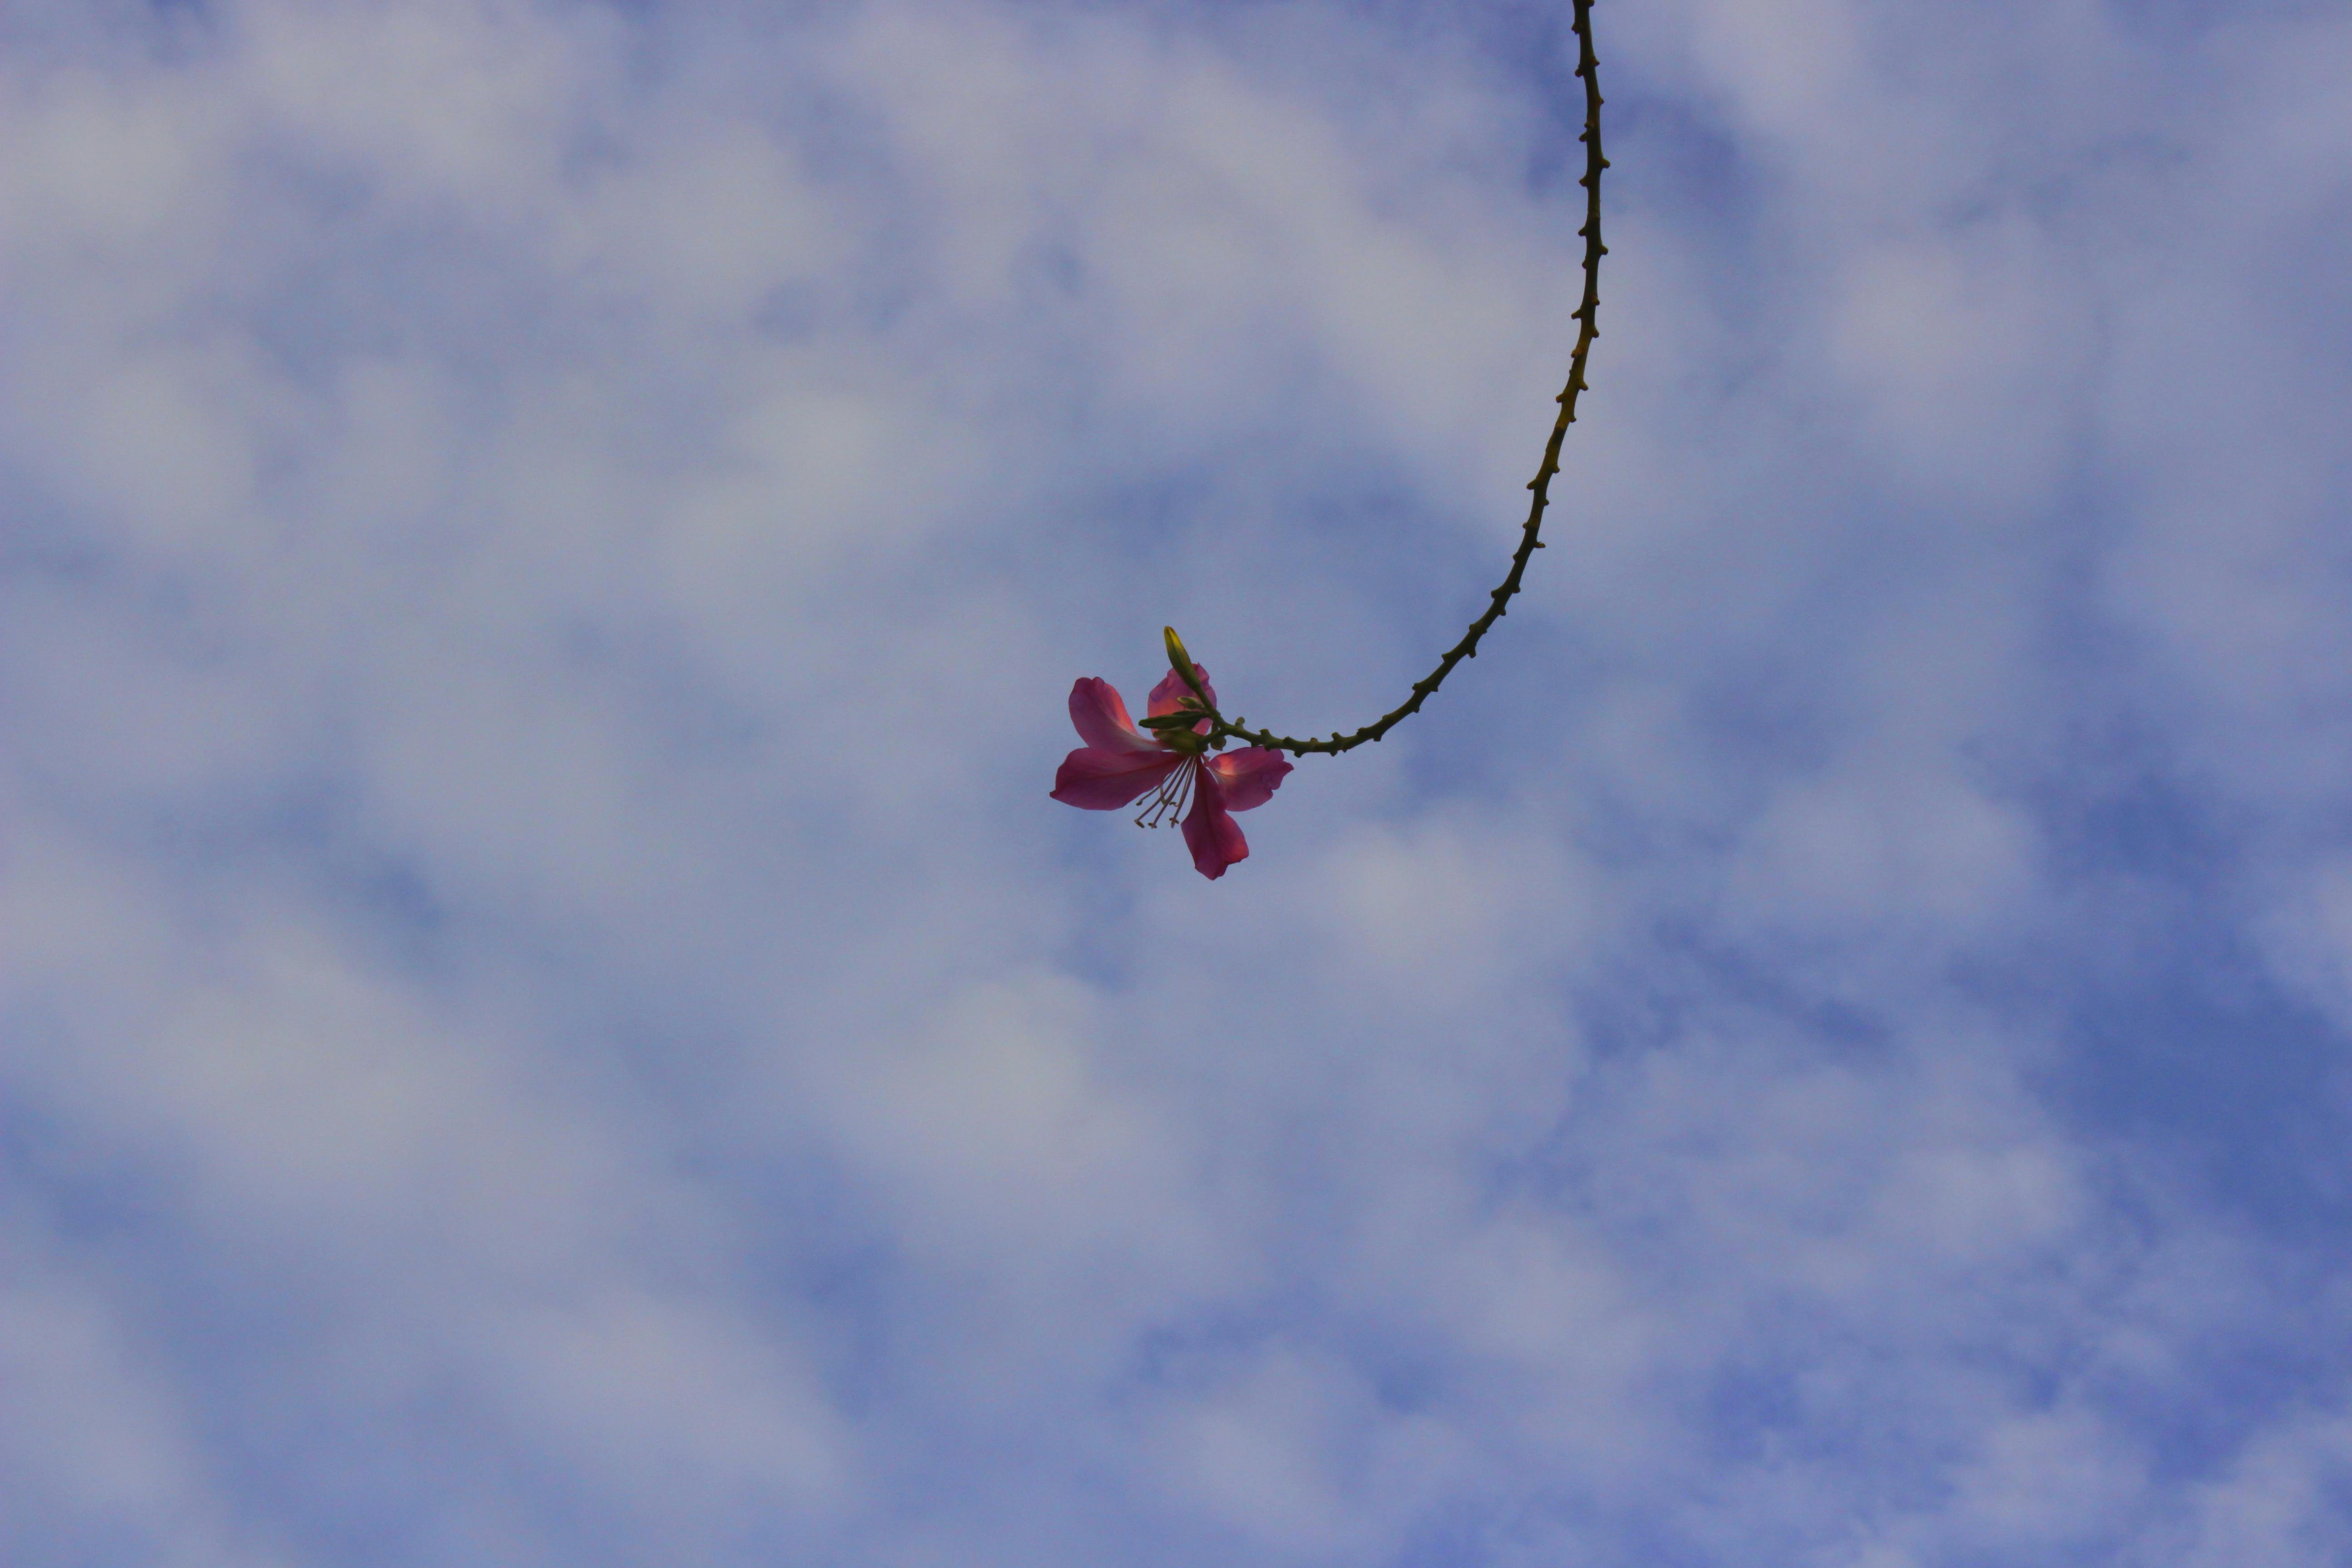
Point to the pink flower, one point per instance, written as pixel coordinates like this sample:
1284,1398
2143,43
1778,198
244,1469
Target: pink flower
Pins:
1120,763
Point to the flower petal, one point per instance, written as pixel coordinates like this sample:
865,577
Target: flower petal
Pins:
1095,779
1210,831
1248,777
1170,694
1100,715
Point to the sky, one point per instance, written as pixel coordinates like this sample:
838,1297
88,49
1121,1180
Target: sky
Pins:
546,1015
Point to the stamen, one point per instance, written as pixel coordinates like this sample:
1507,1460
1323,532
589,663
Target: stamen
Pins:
1168,800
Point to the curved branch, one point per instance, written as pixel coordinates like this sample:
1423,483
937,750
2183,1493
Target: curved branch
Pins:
1588,319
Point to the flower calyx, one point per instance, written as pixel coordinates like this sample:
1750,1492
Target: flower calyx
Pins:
1180,731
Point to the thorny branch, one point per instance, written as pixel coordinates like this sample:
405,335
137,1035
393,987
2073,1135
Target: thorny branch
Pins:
1587,317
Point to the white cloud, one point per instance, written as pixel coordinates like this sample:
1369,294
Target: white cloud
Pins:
545,1016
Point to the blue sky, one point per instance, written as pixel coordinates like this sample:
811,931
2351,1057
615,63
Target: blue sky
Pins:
545,1016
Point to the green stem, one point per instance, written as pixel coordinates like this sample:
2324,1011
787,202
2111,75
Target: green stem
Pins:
1530,541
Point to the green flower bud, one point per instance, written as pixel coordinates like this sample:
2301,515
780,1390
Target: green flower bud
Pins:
1181,663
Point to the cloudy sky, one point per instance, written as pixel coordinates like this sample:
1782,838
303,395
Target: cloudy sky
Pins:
546,1015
